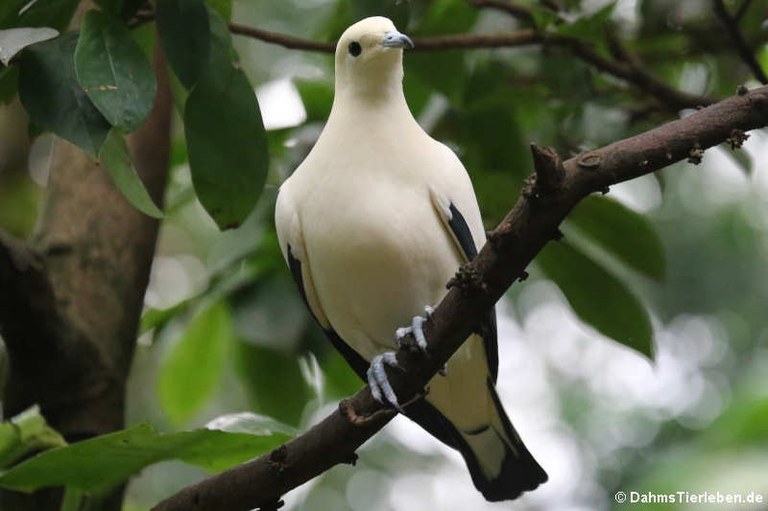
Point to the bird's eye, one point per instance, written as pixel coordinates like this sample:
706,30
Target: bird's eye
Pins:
354,48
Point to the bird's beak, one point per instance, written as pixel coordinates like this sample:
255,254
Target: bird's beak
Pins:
395,39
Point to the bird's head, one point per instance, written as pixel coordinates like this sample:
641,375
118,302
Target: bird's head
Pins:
369,57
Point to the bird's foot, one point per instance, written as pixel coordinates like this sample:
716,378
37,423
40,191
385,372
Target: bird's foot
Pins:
417,329
377,379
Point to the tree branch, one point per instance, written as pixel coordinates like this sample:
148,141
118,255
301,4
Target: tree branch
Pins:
633,73
630,71
743,49
286,41
531,224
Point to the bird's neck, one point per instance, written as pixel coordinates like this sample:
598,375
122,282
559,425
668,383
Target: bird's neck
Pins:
371,101
381,87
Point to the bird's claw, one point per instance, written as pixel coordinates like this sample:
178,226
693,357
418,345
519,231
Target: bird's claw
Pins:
381,389
417,329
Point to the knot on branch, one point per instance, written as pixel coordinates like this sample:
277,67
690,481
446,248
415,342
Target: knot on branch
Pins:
737,138
550,172
742,90
696,154
349,412
468,279
589,160
277,460
501,236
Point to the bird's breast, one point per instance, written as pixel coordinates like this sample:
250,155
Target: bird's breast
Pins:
378,253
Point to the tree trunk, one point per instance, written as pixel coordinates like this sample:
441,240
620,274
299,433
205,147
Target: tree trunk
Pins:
74,294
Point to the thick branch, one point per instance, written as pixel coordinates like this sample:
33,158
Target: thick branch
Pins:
732,27
511,247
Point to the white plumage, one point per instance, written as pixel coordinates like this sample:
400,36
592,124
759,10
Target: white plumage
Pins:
373,223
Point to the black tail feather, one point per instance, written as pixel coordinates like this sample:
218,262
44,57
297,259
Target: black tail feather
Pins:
519,471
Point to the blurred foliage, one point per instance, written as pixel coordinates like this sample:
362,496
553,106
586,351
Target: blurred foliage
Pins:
224,329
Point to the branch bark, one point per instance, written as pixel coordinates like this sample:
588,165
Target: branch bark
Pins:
531,224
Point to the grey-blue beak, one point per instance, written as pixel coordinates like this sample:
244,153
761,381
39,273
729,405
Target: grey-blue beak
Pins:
395,39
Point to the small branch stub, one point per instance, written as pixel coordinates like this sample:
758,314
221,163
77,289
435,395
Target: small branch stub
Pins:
737,139
550,172
696,154
467,279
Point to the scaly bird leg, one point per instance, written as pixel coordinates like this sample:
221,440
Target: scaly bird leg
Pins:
377,379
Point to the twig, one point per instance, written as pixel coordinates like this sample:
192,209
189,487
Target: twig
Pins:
286,41
517,240
743,49
523,37
549,169
634,74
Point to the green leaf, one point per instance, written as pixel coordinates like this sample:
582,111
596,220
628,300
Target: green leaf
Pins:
448,17
223,7
597,297
9,12
13,40
251,423
744,421
185,35
157,319
24,434
625,234
45,13
114,72
543,17
72,500
192,371
104,462
590,28
259,367
226,139
114,155
317,96
51,95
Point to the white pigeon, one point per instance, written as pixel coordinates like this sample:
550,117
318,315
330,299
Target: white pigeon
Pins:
373,223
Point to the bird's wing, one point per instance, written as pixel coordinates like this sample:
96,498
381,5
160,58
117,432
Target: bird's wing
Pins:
291,241
460,232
